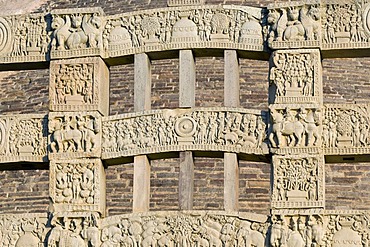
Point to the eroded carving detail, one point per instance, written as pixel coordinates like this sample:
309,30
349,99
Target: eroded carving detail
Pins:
74,135
77,185
295,77
295,127
158,131
77,85
298,182
183,229
77,31
23,230
294,25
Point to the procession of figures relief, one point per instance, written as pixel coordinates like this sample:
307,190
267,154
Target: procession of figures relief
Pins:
74,135
295,77
167,128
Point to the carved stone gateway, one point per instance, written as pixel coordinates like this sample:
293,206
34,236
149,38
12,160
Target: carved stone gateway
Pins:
78,139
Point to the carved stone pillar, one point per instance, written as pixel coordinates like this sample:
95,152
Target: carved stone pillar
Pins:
295,98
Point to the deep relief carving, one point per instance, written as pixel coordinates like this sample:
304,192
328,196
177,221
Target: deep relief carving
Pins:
77,85
294,129
217,130
23,230
77,32
23,138
298,182
24,38
77,185
80,229
177,27
294,25
295,77
346,25
74,135
346,129
183,229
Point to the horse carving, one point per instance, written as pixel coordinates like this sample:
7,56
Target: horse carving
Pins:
309,20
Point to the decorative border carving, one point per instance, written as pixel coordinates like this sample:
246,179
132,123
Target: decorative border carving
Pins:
213,129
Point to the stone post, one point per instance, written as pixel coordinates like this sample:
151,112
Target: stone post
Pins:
231,99
142,102
186,99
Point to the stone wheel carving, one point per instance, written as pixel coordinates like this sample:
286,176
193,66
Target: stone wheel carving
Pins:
5,36
185,126
366,18
2,134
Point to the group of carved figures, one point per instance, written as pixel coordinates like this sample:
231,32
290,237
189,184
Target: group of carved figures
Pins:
296,178
76,133
344,23
345,128
184,231
74,84
294,23
74,183
295,127
293,74
214,128
31,36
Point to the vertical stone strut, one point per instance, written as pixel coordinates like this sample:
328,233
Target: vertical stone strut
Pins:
186,99
231,99
142,102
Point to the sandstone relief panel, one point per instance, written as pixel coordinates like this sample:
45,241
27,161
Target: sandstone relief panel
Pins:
294,131
170,130
294,25
79,85
193,228
346,129
23,138
77,185
23,230
295,77
77,32
298,181
24,38
74,135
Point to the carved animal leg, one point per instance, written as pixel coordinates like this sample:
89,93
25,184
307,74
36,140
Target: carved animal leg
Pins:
271,139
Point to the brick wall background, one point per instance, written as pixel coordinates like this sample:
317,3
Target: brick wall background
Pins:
26,91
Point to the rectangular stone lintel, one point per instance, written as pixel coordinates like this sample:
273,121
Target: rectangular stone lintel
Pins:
186,181
143,82
141,184
231,182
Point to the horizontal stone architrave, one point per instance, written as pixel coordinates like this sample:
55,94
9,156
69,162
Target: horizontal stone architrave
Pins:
184,130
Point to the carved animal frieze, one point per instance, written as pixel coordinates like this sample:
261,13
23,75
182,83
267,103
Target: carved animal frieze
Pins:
77,185
74,135
79,85
158,131
298,181
295,77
